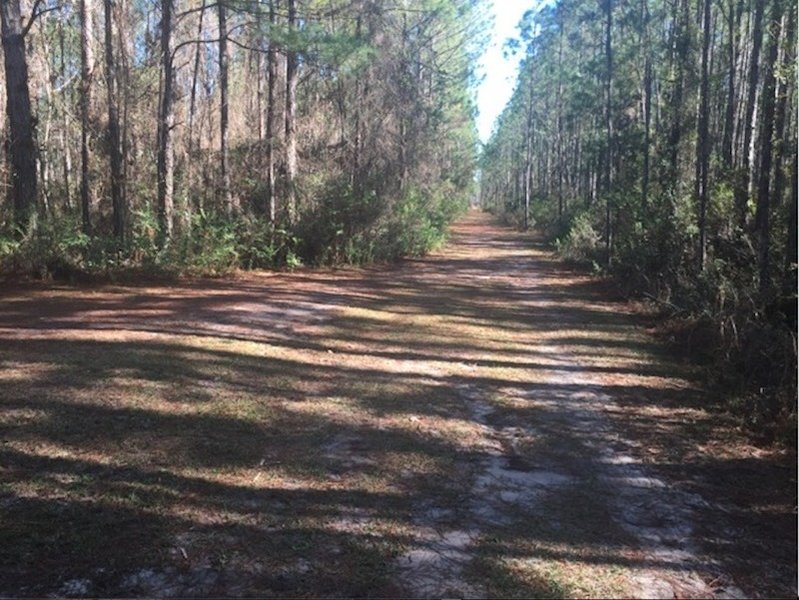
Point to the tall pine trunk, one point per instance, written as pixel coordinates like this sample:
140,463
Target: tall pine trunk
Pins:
86,76
559,119
702,146
114,139
767,149
781,120
789,269
679,61
193,93
746,166
21,145
271,130
66,153
291,118
270,114
528,155
166,122
608,129
647,94
224,129
733,20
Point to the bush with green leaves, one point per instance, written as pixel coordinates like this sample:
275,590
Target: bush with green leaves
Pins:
582,242
339,225
208,247
56,247
263,245
419,221
346,226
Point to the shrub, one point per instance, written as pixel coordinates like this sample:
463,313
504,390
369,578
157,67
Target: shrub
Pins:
55,248
143,238
262,245
208,248
582,241
357,228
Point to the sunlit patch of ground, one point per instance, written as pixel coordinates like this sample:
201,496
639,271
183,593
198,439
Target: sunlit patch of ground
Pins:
303,434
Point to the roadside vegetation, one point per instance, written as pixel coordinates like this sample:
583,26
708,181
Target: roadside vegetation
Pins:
184,137
378,432
656,143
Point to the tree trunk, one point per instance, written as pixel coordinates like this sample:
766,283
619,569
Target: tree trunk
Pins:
647,93
166,122
781,132
114,142
21,145
45,123
767,148
355,174
528,155
403,127
732,56
608,5
193,92
291,118
702,148
742,189
680,58
789,276
86,76
224,134
270,114
124,86
66,156
560,117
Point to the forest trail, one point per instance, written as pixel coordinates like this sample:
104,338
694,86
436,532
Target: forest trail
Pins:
481,422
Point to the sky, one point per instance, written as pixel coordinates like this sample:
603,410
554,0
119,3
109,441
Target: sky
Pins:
499,73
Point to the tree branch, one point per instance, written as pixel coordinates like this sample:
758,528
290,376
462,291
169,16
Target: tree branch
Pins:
36,13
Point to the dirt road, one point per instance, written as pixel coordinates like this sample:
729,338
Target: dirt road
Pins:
482,422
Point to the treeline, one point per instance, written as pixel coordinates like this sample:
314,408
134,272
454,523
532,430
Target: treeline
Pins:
210,134
658,140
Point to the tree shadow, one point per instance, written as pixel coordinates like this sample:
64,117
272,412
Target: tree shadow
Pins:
275,434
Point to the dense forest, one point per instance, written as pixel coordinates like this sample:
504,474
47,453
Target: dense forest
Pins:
657,140
205,135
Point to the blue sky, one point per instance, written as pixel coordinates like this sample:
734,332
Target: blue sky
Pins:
499,73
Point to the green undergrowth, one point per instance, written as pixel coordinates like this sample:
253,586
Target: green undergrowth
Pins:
342,227
743,336
360,228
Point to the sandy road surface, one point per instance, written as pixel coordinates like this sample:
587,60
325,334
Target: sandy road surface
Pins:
482,422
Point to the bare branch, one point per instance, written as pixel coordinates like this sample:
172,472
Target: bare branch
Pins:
36,13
